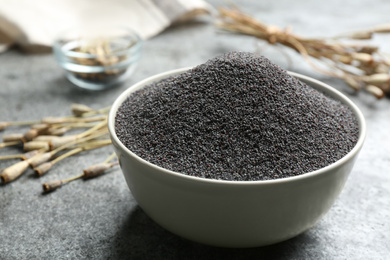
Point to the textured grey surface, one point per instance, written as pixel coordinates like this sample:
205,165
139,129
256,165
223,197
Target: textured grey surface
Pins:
99,219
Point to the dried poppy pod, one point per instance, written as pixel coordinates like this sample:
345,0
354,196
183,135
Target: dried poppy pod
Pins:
58,142
57,131
43,168
378,78
45,138
362,57
14,171
96,170
376,91
41,128
36,145
4,125
30,135
383,28
39,159
80,109
51,186
54,120
29,154
12,137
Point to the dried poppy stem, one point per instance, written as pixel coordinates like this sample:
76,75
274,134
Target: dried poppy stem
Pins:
13,172
84,146
96,112
51,143
54,143
45,138
45,167
90,172
40,127
6,144
40,159
67,141
57,130
42,166
79,125
12,138
4,125
12,156
23,156
112,156
61,129
53,185
95,144
103,124
71,119
360,66
43,141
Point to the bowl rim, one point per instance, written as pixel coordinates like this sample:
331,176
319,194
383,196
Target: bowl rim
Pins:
57,45
308,80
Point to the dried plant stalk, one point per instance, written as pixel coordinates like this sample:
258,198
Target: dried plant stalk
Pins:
45,138
30,154
361,66
6,144
88,173
4,125
43,141
57,131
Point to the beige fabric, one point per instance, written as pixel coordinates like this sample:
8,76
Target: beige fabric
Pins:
34,24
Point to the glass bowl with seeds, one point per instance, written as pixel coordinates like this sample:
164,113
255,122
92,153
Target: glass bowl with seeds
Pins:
235,152
98,58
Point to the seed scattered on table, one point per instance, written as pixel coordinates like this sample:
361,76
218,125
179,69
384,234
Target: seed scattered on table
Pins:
236,117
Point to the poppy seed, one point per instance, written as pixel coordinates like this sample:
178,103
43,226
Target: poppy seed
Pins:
237,117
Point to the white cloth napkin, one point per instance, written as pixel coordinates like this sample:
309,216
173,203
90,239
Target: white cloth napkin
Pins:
32,25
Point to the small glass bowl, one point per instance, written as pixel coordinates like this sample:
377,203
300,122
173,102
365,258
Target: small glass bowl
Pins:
98,58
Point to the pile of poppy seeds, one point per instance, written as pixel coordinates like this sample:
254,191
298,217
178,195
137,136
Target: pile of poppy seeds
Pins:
237,117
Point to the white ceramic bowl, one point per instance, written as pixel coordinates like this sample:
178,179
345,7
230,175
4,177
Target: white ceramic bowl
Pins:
234,213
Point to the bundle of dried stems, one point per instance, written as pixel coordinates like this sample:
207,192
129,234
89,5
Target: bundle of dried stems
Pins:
50,140
360,65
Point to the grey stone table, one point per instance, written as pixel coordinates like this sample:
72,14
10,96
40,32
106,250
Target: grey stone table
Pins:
99,218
